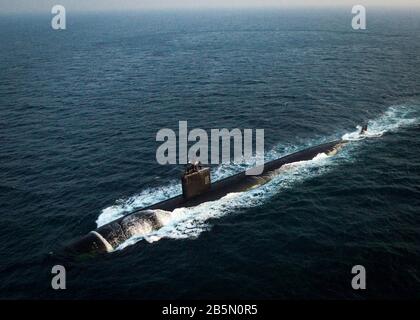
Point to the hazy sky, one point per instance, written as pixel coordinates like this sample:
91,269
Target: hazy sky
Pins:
101,5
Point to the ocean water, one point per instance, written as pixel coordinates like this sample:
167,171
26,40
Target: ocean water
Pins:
79,113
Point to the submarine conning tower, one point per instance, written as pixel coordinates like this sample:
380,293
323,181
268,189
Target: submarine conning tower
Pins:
195,180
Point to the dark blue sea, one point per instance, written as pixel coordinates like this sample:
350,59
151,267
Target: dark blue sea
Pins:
79,113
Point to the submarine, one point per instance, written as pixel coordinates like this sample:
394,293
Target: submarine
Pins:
196,189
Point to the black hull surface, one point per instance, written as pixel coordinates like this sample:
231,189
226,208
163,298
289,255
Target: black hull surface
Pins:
109,236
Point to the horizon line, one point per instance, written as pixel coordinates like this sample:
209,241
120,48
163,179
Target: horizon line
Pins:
211,8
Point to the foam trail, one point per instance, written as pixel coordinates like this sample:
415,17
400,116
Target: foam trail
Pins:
394,118
147,197
190,222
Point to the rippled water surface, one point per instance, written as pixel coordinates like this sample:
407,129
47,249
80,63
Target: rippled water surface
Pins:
79,112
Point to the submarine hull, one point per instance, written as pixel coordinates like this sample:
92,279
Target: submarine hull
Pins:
138,223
